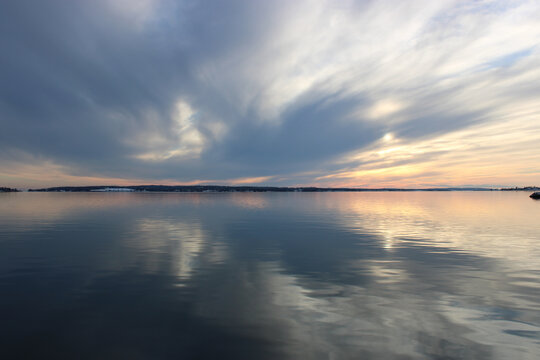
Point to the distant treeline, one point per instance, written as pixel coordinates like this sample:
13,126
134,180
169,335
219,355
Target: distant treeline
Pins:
526,188
6,189
220,188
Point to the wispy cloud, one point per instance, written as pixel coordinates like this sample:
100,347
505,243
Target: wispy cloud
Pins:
349,93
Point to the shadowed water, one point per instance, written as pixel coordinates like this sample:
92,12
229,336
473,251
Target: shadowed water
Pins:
445,275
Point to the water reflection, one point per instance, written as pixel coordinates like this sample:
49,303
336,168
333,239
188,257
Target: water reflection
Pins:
318,276
184,244
499,225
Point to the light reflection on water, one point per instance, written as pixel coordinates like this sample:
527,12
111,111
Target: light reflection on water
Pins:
316,275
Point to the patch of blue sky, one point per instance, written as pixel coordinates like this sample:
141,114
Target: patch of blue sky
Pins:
491,6
507,60
474,7
500,62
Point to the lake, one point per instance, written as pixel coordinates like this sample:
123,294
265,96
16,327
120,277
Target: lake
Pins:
374,275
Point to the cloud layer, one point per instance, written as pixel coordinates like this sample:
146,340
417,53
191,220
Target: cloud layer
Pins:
355,93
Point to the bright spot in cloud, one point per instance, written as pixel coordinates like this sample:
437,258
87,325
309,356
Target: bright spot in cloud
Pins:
184,141
384,108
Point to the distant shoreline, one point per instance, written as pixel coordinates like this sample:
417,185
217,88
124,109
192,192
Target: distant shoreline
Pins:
6,189
223,188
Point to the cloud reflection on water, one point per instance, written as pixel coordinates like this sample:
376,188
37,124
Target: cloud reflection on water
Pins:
290,275
185,245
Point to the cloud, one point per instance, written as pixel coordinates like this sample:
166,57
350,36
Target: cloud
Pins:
178,91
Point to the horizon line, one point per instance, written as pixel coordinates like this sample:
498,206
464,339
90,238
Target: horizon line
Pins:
441,188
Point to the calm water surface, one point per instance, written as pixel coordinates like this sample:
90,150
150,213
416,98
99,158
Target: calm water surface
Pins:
270,276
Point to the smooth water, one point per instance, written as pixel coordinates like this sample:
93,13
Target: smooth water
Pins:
421,275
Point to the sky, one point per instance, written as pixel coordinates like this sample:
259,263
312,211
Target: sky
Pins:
361,93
